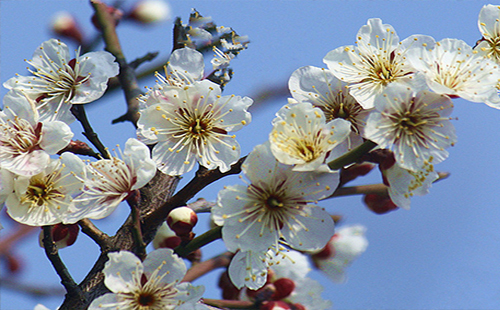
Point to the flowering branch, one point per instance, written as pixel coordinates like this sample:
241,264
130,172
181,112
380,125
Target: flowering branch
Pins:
53,255
126,76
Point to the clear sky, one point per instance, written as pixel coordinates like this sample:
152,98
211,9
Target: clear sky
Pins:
444,253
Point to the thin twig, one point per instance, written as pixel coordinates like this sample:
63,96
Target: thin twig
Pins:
352,156
31,289
201,205
205,267
78,111
230,304
88,228
126,76
133,201
53,255
200,241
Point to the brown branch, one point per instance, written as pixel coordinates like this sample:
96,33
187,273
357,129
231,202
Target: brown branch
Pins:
201,205
126,76
230,304
35,290
205,267
51,251
95,233
78,111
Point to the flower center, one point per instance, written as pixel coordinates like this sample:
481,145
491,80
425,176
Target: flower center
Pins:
41,190
146,299
273,203
410,123
18,136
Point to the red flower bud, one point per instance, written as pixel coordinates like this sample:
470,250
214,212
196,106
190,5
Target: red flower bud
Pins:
284,287
379,204
275,305
182,220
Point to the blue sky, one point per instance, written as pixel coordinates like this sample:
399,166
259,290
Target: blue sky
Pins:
444,253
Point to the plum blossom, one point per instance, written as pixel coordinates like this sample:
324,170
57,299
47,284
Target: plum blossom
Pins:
416,126
44,198
184,67
301,136
276,205
107,182
150,285
25,141
323,90
452,67
348,243
404,184
489,26
58,81
192,124
379,59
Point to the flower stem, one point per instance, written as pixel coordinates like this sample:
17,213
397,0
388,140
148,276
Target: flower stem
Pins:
52,254
211,235
352,156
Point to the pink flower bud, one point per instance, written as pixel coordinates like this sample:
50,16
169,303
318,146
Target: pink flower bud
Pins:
64,24
379,204
182,220
354,171
150,11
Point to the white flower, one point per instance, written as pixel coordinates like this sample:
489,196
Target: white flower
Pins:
221,60
489,26
192,124
302,138
321,88
416,126
150,285
249,269
184,67
276,205
403,183
379,59
346,245
25,142
451,67
107,182
43,199
58,81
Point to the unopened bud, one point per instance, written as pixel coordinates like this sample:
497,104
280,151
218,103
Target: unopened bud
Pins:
357,170
298,307
379,204
166,238
229,291
63,235
182,220
327,252
64,24
275,305
151,11
284,287
14,263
